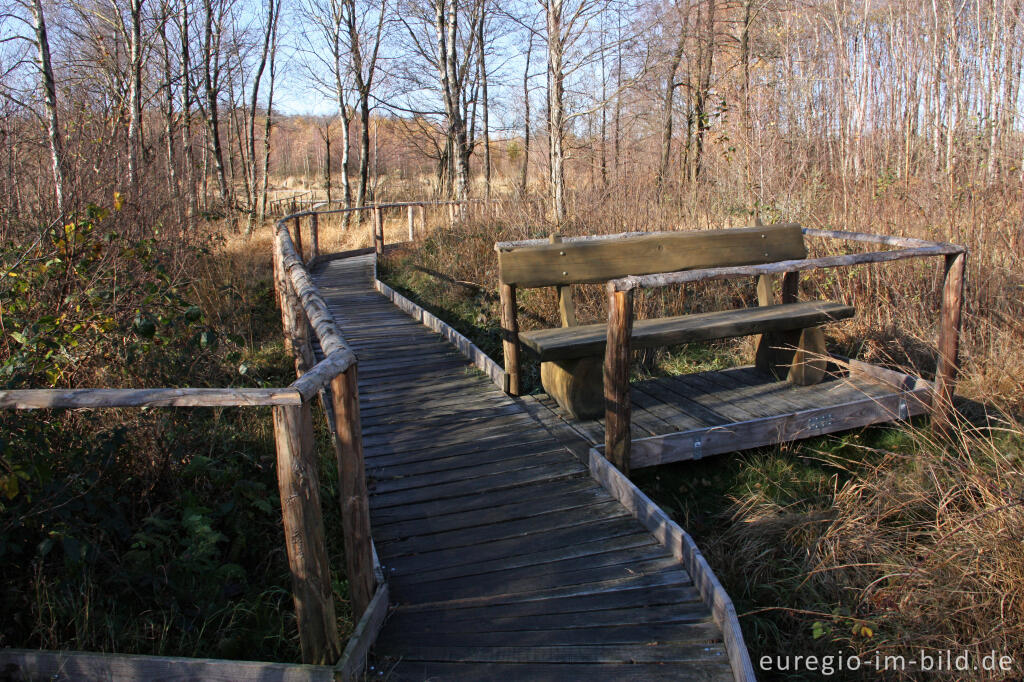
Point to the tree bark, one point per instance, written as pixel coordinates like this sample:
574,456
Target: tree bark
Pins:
54,138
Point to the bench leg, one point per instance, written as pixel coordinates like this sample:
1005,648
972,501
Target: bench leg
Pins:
576,385
799,356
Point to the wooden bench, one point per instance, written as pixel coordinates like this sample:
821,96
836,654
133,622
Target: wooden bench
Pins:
791,346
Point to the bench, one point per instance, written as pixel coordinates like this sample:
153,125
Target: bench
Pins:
791,344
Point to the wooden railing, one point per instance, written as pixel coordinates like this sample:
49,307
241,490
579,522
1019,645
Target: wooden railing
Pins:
620,320
334,379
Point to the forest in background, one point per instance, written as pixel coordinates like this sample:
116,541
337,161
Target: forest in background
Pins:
142,140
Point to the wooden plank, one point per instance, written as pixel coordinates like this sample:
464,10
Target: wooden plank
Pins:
782,428
578,262
680,411
590,552
480,359
589,340
557,672
537,441
29,664
480,501
683,548
667,653
482,484
636,598
35,399
353,660
500,530
557,540
782,266
402,480
456,621
541,672
580,495
654,581
640,633
516,582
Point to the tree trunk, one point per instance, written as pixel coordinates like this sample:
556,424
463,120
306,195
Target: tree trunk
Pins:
667,108
483,83
50,102
556,110
211,83
135,95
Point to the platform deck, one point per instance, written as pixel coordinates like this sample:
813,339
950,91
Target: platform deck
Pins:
505,559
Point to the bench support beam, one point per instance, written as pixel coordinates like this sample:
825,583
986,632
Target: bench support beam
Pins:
618,409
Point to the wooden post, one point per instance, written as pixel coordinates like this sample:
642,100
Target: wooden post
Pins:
282,285
412,225
296,326
297,238
314,236
423,219
617,407
451,215
299,485
355,506
510,338
949,342
378,230
791,287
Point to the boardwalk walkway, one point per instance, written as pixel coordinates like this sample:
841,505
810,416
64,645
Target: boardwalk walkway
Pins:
505,559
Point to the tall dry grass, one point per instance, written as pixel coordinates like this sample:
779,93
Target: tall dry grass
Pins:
902,547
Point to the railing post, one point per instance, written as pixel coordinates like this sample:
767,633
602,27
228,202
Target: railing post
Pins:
378,230
281,287
510,337
412,228
297,238
949,342
423,219
355,507
299,486
617,406
314,236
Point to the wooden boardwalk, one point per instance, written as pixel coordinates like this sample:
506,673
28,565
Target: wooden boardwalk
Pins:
505,559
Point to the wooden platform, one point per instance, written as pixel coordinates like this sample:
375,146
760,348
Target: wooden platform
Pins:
505,559
707,413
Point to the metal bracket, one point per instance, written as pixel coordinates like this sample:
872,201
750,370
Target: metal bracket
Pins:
820,421
696,448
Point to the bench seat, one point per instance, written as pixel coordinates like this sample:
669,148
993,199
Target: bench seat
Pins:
589,340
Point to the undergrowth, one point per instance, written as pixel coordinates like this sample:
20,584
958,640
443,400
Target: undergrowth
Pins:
154,531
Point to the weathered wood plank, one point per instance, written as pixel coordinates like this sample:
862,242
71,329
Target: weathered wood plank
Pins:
577,262
683,547
352,664
587,340
35,399
666,653
29,664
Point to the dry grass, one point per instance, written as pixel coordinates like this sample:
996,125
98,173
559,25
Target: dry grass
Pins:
891,547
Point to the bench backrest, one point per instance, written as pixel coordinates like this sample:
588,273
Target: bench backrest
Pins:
600,260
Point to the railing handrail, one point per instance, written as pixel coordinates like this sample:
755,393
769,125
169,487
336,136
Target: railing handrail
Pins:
300,390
